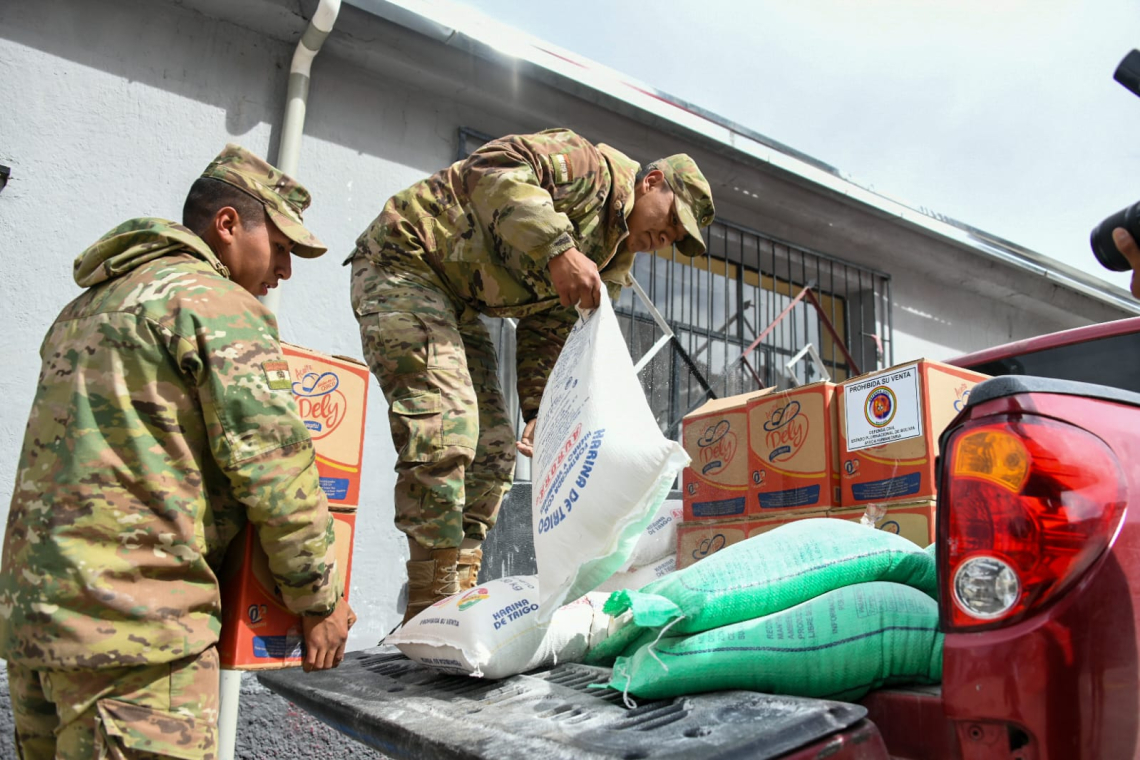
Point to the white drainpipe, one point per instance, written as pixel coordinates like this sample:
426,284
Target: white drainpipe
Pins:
288,155
296,101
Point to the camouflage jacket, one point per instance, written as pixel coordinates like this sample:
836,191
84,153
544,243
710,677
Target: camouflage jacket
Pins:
154,435
488,225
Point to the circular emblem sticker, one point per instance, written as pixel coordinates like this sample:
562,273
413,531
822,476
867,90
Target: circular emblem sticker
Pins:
880,406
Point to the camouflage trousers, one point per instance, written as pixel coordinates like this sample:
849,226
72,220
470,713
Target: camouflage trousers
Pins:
148,711
436,364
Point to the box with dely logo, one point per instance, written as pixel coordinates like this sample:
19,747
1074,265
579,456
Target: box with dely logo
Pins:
715,436
911,520
889,424
258,631
697,540
332,394
793,450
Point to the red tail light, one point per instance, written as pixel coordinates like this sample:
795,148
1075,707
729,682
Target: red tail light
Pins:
1027,504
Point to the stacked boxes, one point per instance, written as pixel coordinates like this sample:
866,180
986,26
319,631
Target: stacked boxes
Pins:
258,631
760,460
715,486
821,450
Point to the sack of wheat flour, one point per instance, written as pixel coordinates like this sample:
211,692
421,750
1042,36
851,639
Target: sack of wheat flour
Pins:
638,577
659,539
493,630
601,466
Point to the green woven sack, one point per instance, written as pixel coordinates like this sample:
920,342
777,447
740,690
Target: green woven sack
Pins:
932,552
837,646
774,571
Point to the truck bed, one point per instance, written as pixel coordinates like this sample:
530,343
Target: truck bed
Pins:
406,710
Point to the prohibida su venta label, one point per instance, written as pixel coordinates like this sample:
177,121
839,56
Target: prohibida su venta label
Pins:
889,424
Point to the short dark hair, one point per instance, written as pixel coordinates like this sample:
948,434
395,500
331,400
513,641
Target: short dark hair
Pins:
208,196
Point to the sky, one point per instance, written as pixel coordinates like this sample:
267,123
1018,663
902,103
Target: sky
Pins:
1002,114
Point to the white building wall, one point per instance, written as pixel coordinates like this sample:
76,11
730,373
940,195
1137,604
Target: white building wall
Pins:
109,111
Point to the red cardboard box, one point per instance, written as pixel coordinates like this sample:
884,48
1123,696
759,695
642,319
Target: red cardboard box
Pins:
793,450
332,396
258,630
889,423
914,521
715,484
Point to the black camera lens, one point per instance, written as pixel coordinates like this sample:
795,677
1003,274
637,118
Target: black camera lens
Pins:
1103,246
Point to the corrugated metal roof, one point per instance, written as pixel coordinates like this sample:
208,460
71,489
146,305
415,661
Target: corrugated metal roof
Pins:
570,72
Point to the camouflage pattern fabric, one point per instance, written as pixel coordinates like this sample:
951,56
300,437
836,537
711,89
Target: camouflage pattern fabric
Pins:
476,238
487,226
285,199
454,441
167,710
153,437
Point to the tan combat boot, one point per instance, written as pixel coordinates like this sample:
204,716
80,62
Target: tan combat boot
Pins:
468,568
430,580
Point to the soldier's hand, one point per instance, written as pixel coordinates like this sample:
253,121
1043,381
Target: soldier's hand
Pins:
576,279
325,638
1126,244
525,443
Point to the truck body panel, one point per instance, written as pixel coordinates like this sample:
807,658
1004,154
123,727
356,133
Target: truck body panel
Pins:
1061,683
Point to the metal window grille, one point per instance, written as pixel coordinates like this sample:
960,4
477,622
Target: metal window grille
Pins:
716,307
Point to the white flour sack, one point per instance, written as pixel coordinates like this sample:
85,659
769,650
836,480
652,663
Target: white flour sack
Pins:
636,577
601,465
659,539
493,630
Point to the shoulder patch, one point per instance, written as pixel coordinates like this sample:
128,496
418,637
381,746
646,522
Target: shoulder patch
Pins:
277,375
560,162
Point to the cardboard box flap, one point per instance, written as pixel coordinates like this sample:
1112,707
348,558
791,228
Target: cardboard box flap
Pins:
729,402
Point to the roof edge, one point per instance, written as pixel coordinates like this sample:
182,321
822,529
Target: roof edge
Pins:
486,38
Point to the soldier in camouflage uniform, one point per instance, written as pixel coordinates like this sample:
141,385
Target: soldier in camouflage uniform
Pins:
157,431
525,227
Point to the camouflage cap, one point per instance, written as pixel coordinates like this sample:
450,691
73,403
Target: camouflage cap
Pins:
284,198
692,199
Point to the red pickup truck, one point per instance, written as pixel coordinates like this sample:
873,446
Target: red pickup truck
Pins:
1039,574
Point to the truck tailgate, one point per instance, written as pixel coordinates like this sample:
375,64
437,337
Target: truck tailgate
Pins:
404,709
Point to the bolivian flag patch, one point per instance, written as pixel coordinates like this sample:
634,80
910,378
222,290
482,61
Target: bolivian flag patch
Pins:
277,375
